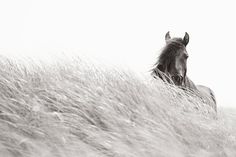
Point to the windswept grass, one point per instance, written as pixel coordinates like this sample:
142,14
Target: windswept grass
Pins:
73,109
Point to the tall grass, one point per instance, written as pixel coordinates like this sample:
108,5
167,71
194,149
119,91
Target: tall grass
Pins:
73,109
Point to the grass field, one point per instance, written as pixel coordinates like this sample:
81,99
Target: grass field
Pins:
70,108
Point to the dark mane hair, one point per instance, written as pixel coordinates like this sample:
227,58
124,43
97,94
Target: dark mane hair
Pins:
168,53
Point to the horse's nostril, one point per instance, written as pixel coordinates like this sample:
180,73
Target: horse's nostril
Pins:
177,78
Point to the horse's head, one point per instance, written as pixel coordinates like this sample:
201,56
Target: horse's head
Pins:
173,59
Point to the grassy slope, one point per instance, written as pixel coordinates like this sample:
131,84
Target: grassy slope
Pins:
71,109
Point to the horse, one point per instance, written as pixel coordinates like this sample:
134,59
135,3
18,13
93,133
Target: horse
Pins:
171,67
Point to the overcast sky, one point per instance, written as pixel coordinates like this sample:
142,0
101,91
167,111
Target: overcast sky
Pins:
128,33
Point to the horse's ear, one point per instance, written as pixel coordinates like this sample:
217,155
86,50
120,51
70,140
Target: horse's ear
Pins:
160,67
167,36
186,39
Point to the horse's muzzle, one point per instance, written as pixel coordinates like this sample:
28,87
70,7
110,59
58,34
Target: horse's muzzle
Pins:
177,79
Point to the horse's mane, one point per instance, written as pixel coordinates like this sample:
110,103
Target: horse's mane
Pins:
168,53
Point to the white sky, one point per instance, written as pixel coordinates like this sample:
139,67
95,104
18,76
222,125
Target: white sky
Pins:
128,33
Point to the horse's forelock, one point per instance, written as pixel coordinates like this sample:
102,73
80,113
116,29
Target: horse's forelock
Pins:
168,53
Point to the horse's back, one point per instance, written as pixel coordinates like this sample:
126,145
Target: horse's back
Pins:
208,95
